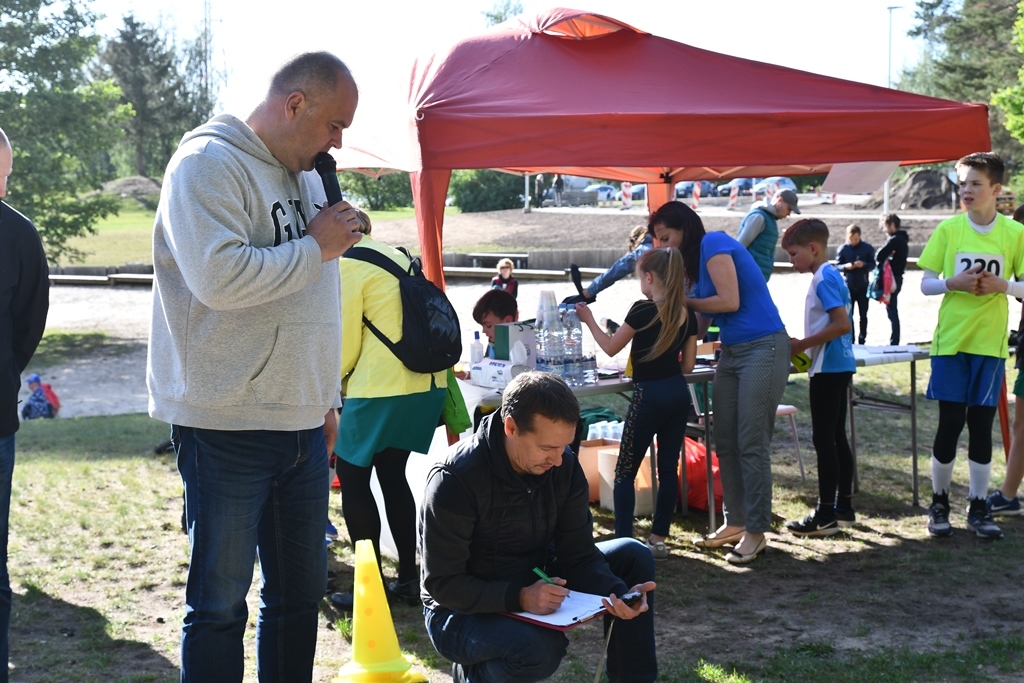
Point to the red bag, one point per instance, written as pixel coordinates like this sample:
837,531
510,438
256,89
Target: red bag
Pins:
697,476
51,397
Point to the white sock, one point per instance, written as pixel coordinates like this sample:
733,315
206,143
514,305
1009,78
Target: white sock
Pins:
979,479
942,476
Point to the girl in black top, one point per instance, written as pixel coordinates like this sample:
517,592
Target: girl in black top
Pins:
664,339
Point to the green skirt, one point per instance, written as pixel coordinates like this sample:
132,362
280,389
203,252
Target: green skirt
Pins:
369,425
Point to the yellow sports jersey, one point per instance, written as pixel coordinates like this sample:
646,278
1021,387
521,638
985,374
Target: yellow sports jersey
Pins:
969,323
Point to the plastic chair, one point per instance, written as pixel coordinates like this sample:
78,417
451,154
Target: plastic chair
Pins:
790,411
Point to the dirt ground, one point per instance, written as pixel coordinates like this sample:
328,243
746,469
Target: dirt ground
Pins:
802,592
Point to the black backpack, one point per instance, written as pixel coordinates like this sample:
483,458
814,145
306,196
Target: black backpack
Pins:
431,337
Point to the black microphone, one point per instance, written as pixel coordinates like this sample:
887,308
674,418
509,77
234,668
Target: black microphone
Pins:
327,167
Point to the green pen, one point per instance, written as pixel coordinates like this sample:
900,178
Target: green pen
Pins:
539,572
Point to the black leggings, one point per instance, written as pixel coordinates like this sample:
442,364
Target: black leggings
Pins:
952,417
360,508
828,424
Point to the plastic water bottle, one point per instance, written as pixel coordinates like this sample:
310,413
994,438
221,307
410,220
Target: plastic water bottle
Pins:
550,344
573,348
476,349
589,360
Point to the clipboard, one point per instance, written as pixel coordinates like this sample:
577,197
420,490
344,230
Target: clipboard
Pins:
577,609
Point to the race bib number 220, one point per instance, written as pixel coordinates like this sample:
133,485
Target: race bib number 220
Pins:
993,263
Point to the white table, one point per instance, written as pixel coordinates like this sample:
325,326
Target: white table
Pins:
869,356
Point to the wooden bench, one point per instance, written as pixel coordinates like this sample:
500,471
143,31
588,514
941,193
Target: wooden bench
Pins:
491,258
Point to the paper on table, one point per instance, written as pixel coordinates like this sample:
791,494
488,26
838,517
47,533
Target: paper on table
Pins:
907,348
576,608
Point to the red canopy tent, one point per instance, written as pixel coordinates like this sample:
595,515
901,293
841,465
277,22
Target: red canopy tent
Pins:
573,92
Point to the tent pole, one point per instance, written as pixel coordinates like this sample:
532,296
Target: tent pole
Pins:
526,193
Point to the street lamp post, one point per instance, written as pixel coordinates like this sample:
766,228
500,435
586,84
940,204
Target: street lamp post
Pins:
888,84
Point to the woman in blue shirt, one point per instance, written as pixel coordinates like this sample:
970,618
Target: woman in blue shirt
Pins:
751,373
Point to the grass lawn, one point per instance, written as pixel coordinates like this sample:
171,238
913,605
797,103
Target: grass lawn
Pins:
128,237
98,564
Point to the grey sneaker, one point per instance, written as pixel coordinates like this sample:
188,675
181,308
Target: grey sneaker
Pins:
658,549
981,523
938,520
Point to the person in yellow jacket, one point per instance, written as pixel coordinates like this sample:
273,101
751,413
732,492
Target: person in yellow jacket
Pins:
389,411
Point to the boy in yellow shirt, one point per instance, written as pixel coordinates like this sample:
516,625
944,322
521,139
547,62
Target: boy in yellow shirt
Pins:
976,253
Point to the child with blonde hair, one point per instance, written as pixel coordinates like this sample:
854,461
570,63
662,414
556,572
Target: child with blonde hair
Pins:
504,280
661,328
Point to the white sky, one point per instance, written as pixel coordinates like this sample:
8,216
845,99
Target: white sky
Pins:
379,39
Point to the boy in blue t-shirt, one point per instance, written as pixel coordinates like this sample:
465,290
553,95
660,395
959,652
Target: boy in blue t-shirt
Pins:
827,324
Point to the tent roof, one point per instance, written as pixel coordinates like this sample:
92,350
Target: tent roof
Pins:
576,92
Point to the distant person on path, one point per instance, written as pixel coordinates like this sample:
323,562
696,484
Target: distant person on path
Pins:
511,499
660,330
558,186
1004,501
39,403
538,189
895,251
244,363
828,315
979,254
24,302
856,259
504,280
759,230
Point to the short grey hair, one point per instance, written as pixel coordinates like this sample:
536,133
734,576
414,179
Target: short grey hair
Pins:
314,74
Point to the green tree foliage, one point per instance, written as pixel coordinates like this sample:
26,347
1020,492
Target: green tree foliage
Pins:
388,192
486,190
144,64
1011,99
502,10
60,125
969,58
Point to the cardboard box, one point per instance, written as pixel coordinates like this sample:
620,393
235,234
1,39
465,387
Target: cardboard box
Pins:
606,460
507,334
588,460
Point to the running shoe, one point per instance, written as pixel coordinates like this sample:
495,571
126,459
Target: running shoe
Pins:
938,520
1000,505
814,525
980,521
845,518
658,549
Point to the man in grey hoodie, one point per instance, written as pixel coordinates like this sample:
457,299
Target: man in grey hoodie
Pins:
244,363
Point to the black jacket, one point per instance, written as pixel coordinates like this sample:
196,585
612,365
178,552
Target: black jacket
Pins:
857,279
24,301
895,249
484,527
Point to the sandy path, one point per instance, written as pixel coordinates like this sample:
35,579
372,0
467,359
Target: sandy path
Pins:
114,382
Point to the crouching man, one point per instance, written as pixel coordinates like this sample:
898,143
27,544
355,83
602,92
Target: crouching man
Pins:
513,498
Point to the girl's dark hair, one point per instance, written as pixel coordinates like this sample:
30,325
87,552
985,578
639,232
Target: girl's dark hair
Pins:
678,216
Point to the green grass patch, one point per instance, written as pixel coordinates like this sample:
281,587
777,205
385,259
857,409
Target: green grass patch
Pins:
121,239
58,347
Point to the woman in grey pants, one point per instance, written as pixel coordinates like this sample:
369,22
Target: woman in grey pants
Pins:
751,375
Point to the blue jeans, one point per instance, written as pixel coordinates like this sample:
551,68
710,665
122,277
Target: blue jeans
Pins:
6,472
494,648
250,493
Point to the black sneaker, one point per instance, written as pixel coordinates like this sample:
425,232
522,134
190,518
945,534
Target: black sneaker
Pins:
980,521
845,518
814,525
938,520
408,592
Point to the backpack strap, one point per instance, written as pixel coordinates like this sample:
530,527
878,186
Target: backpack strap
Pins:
376,258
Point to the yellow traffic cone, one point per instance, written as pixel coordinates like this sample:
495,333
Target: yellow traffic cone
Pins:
376,657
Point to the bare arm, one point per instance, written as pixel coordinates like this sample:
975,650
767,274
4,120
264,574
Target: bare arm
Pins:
609,344
722,271
690,354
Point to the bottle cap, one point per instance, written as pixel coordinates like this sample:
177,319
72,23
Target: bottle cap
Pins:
476,335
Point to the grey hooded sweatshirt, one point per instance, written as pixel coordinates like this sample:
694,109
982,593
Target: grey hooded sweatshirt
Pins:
246,329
